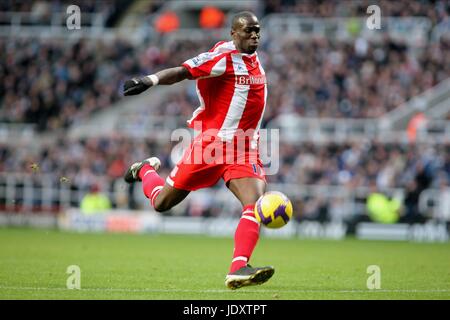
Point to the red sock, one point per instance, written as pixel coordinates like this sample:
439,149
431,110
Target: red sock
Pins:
152,183
245,238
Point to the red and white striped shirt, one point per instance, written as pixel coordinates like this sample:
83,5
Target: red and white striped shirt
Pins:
232,90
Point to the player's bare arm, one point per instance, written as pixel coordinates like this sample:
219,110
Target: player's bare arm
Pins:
167,76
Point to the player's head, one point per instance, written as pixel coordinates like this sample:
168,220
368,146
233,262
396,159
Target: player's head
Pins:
245,32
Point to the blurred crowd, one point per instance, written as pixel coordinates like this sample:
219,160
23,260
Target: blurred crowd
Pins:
55,84
331,79
351,164
41,10
364,164
356,80
435,10
378,167
381,167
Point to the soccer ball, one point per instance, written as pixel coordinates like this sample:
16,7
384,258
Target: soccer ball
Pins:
273,209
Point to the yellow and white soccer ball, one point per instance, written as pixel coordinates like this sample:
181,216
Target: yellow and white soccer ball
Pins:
273,209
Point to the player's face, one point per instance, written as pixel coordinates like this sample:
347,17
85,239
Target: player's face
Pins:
246,35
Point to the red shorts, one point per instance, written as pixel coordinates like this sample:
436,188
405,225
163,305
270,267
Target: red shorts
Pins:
209,159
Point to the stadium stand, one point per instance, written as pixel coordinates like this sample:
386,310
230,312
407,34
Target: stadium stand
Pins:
58,84
42,12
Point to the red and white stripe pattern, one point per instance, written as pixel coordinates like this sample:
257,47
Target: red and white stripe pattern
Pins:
249,215
265,102
155,191
232,90
154,194
240,258
245,238
238,101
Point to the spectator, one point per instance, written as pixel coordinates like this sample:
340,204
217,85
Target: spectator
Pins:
95,202
381,209
315,78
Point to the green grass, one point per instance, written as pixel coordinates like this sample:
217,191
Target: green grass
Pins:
33,265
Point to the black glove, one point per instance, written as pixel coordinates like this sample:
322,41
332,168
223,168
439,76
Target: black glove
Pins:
134,86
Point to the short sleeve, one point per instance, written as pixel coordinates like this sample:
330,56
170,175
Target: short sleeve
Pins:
206,65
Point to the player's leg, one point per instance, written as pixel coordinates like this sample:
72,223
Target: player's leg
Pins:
190,173
247,190
168,198
162,196
185,177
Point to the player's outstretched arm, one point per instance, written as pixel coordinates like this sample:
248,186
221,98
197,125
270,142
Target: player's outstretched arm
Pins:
167,76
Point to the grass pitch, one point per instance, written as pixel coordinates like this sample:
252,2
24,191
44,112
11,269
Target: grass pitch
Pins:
33,265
